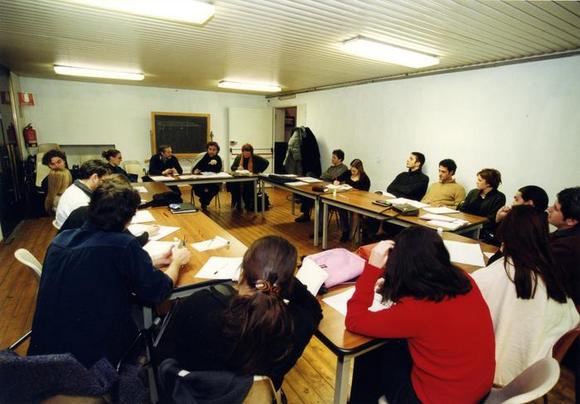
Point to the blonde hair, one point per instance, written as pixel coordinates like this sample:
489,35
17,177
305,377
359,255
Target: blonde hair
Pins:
58,182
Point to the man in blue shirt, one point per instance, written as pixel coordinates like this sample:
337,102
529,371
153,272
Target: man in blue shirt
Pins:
90,277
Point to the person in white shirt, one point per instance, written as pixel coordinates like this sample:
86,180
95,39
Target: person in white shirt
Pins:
526,292
79,193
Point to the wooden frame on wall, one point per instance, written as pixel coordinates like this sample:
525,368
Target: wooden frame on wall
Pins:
186,133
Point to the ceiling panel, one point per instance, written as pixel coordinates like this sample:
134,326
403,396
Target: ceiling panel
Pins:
293,42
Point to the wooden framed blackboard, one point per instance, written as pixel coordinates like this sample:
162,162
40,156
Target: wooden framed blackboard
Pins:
187,134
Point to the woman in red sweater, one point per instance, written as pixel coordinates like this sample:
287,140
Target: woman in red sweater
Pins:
439,313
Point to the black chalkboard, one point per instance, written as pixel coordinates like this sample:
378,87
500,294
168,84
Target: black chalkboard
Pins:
187,134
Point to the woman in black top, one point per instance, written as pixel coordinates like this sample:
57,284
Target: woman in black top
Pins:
485,200
261,328
358,179
114,158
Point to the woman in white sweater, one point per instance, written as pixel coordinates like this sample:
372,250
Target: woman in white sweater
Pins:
528,299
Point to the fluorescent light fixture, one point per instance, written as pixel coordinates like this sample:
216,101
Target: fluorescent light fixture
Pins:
236,85
187,11
103,74
383,52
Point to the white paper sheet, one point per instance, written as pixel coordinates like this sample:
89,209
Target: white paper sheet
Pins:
488,254
296,183
465,253
162,178
311,275
400,201
447,225
142,216
442,210
221,268
431,216
339,301
140,189
216,175
139,228
309,180
157,249
211,244
387,194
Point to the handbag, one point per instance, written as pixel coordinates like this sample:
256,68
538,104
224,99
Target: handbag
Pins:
341,265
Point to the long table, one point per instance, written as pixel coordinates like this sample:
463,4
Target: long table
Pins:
331,332
361,202
189,179
347,345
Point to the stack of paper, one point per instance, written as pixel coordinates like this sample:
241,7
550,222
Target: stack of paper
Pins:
339,188
445,222
221,268
141,189
385,193
309,180
296,183
402,201
142,216
162,178
212,244
440,210
465,253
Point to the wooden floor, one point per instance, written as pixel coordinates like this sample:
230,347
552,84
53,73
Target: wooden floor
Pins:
311,380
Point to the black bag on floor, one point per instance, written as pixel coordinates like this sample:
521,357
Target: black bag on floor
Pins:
259,198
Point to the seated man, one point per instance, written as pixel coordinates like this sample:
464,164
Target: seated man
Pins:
529,195
446,192
565,241
89,278
336,169
210,162
55,160
79,193
411,184
164,162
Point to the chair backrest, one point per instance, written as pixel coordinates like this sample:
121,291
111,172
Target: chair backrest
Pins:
41,170
534,382
564,343
26,257
135,169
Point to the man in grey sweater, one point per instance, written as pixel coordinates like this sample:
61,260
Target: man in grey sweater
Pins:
336,169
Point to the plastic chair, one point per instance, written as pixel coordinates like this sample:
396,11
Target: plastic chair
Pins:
532,383
26,258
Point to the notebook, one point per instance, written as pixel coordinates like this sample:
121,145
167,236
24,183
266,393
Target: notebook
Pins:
184,207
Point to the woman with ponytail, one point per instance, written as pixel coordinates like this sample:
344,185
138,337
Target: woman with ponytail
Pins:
261,327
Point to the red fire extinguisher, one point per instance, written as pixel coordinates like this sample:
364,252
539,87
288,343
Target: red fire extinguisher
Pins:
29,135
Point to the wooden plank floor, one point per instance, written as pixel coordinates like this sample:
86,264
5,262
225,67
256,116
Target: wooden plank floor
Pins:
311,380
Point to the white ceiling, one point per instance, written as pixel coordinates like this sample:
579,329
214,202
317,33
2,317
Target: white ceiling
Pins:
292,42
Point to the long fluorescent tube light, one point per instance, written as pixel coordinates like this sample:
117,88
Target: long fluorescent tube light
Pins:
104,74
236,85
187,11
383,52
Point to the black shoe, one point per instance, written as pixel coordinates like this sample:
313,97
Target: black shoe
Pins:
302,219
204,207
344,237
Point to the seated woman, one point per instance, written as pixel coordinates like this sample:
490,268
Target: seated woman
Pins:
261,328
57,182
254,164
485,200
358,179
210,162
525,290
447,351
114,159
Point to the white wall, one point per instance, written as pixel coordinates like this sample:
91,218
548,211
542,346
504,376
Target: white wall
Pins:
69,112
522,119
